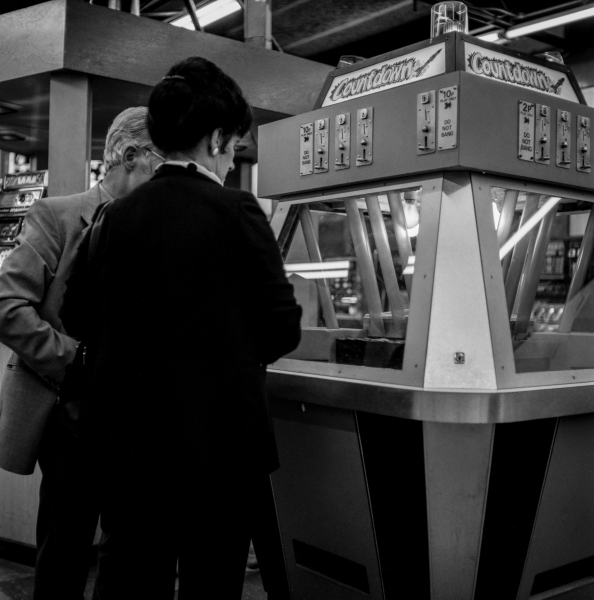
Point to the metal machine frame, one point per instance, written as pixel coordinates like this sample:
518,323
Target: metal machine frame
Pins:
462,475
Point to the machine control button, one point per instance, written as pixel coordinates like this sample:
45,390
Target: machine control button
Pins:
425,98
341,119
459,358
564,116
585,149
320,124
363,113
564,144
544,111
425,129
585,122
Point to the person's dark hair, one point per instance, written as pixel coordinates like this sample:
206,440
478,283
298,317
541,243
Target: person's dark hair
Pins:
192,100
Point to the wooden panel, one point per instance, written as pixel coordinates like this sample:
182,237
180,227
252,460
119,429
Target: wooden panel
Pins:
69,146
114,44
32,40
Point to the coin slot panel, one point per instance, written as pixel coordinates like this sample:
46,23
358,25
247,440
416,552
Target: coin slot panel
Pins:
342,141
583,144
364,144
426,122
563,139
321,134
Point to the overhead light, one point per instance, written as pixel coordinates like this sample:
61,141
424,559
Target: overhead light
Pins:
492,36
9,136
323,270
209,13
569,16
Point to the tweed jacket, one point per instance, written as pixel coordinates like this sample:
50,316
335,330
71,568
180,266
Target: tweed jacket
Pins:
32,284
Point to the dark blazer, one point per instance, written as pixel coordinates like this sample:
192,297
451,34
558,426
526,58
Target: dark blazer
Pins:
182,307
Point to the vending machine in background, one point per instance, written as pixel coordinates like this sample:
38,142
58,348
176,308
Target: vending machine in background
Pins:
19,192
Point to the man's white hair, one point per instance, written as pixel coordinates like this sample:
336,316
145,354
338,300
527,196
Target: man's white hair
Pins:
127,129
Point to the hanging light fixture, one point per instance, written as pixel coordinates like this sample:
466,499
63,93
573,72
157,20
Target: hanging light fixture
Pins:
568,16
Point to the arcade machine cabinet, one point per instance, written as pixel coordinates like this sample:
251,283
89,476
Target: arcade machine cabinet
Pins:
436,424
18,193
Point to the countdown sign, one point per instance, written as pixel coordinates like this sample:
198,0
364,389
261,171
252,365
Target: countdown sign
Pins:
515,71
387,74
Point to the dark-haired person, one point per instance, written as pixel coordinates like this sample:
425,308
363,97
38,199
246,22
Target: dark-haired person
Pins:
189,302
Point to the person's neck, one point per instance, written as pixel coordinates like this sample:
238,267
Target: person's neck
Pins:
115,183
199,156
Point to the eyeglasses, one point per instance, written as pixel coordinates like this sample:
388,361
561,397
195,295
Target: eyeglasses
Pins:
151,151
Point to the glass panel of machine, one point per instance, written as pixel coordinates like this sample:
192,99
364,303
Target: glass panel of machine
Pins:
351,263
546,256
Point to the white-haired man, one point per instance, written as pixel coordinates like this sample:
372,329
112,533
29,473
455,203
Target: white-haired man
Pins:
32,283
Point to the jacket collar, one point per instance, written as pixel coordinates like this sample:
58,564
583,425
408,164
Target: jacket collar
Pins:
91,199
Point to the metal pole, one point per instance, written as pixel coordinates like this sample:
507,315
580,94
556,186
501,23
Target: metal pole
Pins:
508,211
574,297
401,233
385,258
191,8
530,286
257,23
528,225
519,254
135,8
365,265
313,251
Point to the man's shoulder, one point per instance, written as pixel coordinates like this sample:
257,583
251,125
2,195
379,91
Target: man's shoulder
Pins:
67,203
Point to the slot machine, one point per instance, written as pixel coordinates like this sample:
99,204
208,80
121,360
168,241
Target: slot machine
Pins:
19,192
436,442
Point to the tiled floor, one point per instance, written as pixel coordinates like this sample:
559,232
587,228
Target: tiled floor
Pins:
16,583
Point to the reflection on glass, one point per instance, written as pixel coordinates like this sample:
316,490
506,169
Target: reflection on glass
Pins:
548,274
351,263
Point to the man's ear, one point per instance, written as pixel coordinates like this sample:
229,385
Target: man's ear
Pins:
129,157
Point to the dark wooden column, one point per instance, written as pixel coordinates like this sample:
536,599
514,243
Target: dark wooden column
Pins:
69,133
